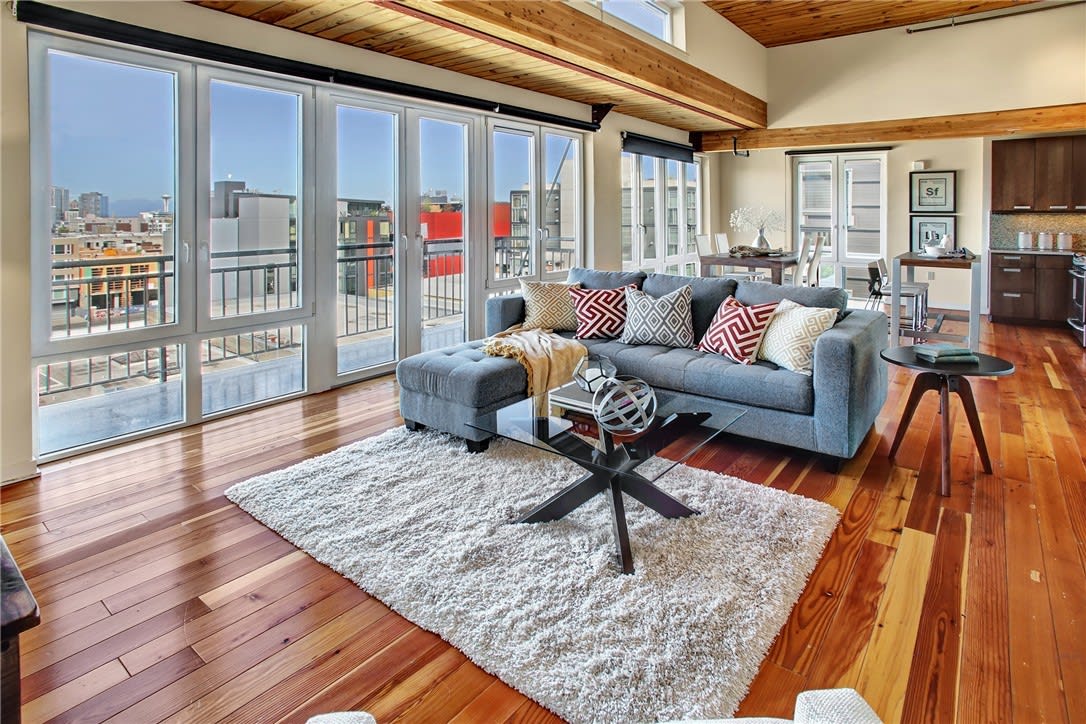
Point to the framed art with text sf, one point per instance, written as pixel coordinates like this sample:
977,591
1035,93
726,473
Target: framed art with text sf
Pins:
929,230
931,192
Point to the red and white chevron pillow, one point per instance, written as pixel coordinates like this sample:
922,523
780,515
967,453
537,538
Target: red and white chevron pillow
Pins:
737,330
601,313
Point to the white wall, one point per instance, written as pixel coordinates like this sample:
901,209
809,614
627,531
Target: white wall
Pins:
1036,59
718,47
763,179
16,378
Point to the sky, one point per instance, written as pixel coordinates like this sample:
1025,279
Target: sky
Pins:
113,130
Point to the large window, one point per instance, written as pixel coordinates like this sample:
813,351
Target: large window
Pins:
196,251
535,202
661,213
841,197
652,17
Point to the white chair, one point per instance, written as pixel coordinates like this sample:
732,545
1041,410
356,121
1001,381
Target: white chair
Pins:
705,245
799,273
720,241
815,261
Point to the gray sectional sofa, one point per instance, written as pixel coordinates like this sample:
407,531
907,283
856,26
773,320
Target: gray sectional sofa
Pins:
828,412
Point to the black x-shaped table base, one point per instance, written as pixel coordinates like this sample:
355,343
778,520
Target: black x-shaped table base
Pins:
612,471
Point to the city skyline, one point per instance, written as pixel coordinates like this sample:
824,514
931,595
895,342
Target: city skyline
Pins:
128,152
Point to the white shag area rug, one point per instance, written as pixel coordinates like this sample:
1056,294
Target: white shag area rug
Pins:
424,526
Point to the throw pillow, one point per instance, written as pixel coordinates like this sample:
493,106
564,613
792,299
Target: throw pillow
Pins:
547,305
793,331
601,313
665,320
737,330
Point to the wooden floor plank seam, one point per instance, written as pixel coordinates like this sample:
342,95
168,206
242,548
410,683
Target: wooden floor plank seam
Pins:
144,620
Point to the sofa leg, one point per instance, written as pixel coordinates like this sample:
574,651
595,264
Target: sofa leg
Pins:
832,463
477,446
413,426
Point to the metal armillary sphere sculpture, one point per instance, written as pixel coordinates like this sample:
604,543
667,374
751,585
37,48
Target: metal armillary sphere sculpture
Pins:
624,405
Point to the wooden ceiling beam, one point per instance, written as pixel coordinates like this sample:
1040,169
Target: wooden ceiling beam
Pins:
572,39
1044,119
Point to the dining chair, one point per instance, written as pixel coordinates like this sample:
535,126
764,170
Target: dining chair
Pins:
705,245
799,271
815,262
720,242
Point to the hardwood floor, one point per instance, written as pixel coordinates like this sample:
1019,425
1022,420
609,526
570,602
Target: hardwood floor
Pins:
160,600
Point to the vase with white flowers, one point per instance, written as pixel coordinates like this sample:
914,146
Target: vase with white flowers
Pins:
757,218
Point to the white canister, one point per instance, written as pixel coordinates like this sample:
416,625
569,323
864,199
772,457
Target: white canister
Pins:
1044,240
1025,240
1064,241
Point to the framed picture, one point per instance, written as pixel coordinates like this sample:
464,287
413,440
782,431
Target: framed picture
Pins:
931,192
930,230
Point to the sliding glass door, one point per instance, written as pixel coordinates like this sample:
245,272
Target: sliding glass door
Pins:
400,256
253,250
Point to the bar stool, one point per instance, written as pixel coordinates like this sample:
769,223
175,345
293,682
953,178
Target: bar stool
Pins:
914,296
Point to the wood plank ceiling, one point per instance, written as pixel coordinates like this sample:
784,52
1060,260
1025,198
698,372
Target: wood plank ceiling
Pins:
547,47
783,22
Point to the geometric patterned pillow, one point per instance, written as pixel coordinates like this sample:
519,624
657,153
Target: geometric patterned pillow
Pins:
601,313
737,330
793,331
665,320
548,306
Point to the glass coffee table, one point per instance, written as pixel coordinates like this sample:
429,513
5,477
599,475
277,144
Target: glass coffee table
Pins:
683,425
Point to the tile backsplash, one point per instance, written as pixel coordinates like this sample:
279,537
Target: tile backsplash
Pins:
1004,228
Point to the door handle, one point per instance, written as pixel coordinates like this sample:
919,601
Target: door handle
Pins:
205,251
187,251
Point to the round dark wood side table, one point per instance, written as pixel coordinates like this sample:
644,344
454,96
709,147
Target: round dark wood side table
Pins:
946,377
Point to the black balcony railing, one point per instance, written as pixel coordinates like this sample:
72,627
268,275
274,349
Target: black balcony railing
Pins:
259,280
108,294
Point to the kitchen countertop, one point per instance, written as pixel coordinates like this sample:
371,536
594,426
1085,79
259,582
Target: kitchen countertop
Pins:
1057,252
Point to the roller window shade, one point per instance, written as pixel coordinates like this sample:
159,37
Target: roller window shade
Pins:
646,146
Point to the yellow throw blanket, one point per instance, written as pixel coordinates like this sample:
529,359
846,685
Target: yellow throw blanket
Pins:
548,358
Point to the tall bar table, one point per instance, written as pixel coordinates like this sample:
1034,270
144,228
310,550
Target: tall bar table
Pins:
910,261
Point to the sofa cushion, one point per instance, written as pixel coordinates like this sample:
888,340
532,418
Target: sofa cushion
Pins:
706,295
592,279
790,339
663,321
601,313
737,330
762,293
547,305
698,373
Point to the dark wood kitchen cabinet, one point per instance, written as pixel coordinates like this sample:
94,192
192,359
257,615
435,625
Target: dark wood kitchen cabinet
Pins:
1052,174
1029,288
1045,175
1078,173
1012,174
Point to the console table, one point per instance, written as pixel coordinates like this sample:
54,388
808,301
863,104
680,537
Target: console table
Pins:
19,613
909,262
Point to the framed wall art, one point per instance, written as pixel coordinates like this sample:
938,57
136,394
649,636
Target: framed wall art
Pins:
931,192
930,230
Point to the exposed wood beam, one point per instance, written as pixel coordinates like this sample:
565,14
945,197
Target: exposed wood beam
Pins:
568,37
1044,119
